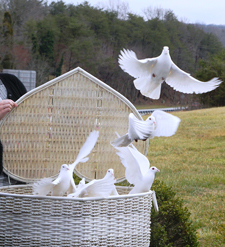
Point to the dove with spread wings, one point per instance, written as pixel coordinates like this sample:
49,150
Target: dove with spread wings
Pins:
160,123
138,171
150,73
98,187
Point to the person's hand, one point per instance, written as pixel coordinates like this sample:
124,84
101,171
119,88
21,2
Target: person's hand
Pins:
6,105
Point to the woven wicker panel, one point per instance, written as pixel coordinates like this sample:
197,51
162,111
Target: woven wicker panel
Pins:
27,220
52,122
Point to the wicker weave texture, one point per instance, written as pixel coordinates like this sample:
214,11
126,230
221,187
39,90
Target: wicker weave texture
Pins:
32,221
52,122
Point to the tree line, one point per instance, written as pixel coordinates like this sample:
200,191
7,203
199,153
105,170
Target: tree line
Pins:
57,37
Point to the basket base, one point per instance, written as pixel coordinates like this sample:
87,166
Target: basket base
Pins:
7,240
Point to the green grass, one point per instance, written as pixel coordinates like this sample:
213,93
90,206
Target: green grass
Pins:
192,162
151,106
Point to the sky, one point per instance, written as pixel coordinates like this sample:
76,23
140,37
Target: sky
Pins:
189,11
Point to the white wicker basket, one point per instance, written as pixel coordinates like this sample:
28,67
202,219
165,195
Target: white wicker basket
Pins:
46,130
27,220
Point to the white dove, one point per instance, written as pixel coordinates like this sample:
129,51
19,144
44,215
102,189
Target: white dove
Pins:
150,73
64,183
81,183
138,171
97,188
160,123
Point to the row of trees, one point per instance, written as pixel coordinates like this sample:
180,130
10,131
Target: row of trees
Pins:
53,39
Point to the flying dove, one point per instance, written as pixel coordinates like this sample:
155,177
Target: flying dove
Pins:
160,123
150,73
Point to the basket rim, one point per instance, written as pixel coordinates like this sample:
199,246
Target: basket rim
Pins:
71,199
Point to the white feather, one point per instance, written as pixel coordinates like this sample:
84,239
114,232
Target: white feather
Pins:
86,149
42,187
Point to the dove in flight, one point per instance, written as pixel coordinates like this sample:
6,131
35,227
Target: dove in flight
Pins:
64,183
138,171
97,188
160,123
150,73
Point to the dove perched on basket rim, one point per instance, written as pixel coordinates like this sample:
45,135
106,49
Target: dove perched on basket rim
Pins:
64,183
138,171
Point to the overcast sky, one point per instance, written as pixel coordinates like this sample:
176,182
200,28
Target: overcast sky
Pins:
190,11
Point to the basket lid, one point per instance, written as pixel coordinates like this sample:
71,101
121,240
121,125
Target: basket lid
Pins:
52,122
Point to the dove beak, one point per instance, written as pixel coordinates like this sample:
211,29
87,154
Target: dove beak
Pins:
68,168
158,170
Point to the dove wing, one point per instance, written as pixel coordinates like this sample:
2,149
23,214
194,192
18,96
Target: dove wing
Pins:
166,123
86,149
143,161
42,187
72,188
184,82
57,180
135,168
137,68
101,187
95,188
139,129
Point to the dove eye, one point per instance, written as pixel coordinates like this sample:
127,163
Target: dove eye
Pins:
153,168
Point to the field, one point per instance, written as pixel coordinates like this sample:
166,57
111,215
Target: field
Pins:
192,162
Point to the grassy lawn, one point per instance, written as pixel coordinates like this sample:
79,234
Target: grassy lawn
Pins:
192,162
152,106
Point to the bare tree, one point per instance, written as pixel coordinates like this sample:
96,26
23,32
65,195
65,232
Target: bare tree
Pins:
42,67
121,7
154,12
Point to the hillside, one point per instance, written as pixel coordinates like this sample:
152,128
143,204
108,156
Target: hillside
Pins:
55,38
218,30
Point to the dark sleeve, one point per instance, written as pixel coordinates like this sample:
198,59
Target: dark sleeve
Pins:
1,158
15,88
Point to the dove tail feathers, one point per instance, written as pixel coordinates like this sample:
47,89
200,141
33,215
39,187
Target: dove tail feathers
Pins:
122,141
147,87
42,187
